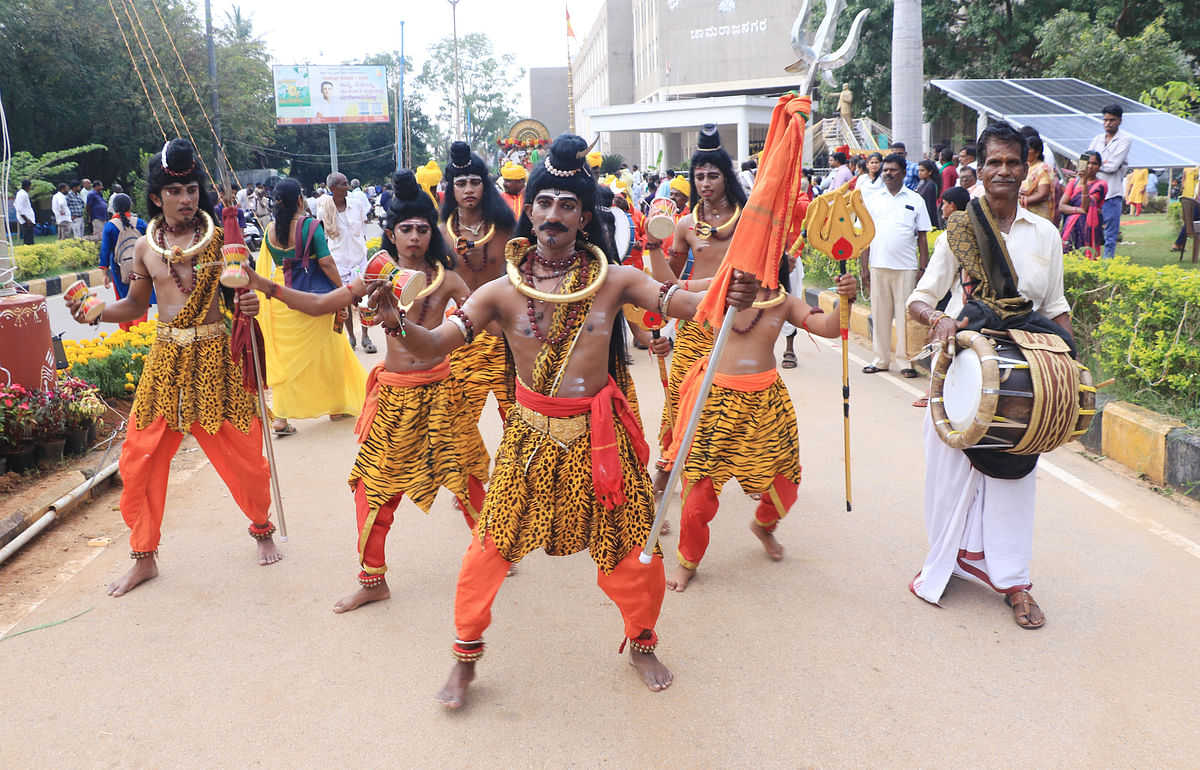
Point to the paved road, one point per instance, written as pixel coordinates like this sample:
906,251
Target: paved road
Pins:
821,659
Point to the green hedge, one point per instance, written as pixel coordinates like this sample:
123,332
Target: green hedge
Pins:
1140,325
43,260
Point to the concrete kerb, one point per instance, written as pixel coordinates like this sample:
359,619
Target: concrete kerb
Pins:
55,285
1164,449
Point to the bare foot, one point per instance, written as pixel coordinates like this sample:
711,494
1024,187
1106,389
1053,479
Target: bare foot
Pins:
680,577
512,570
666,528
454,693
141,571
770,544
268,552
363,596
654,673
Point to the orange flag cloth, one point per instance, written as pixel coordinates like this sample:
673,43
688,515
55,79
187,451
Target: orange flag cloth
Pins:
770,220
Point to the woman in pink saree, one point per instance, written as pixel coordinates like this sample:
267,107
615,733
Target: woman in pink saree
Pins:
1082,226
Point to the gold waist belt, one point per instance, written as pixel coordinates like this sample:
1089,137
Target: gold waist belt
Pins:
563,430
189,334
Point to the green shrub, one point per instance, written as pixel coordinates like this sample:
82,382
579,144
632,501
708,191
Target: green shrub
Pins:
1140,325
1155,205
43,260
1175,212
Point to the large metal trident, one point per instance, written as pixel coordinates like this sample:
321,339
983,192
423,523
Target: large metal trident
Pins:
813,53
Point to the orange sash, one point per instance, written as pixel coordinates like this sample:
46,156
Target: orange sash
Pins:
688,389
380,376
607,475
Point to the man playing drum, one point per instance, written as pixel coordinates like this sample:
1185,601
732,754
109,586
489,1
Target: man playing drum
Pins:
980,526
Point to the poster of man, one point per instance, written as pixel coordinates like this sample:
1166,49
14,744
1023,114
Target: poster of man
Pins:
330,94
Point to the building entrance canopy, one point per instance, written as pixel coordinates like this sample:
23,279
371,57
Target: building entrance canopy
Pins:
741,111
1066,113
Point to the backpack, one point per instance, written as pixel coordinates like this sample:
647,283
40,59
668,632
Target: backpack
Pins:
122,257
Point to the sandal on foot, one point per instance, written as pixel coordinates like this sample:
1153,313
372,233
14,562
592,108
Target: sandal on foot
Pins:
789,360
872,369
1023,607
922,402
369,347
287,430
909,373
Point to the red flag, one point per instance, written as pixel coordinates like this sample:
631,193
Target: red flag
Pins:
770,219
570,31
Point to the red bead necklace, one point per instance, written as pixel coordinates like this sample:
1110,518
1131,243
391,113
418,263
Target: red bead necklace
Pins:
161,237
574,312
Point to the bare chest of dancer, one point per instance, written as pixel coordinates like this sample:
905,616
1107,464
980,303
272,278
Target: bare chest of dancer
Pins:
429,313
173,282
482,263
707,253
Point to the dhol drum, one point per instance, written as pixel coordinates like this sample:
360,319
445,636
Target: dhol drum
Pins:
622,233
660,221
1016,391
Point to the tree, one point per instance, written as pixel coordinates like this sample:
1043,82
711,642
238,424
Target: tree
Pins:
245,90
488,90
52,165
1076,47
1175,97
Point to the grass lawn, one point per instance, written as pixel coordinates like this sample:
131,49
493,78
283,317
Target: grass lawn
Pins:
1150,243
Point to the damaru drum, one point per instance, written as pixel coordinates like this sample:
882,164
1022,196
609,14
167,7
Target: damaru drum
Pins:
1015,391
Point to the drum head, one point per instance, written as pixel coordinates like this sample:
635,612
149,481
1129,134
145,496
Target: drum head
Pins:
622,232
963,389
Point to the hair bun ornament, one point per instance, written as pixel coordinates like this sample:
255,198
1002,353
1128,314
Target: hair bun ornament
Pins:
460,154
710,137
178,158
567,155
405,185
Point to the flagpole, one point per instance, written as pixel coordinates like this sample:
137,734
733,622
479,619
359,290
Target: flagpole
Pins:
570,84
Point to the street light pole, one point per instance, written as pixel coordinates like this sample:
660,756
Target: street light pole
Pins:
457,87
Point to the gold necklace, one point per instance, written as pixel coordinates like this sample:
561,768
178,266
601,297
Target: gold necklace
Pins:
438,276
705,231
518,249
766,304
461,244
174,254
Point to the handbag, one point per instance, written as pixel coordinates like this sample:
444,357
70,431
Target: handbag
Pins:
302,272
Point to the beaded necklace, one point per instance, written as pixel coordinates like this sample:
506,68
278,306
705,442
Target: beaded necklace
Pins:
463,245
159,235
705,231
573,312
749,328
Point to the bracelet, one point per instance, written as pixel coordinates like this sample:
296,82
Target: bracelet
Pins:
463,322
686,282
934,318
398,330
273,291
665,301
354,297
654,246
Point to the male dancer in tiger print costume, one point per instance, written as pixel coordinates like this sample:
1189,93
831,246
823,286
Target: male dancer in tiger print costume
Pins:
570,472
747,430
191,383
416,431
697,249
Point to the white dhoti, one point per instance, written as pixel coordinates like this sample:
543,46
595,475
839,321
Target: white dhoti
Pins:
979,527
796,279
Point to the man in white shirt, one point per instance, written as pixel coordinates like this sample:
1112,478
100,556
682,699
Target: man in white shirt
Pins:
344,216
890,266
1113,146
62,212
23,208
980,526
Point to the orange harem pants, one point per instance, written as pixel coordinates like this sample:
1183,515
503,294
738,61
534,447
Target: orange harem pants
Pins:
747,431
145,465
371,542
637,589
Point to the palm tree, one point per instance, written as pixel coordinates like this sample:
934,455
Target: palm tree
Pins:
908,76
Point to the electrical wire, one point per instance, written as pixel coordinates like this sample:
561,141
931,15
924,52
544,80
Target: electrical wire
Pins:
8,265
133,62
389,147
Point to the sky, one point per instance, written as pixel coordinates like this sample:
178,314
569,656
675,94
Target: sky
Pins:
298,30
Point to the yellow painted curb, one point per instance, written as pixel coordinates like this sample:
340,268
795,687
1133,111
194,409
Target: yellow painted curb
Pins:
860,324
1137,438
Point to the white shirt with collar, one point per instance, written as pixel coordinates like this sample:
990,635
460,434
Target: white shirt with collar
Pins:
898,218
1114,154
24,208
1036,250
58,205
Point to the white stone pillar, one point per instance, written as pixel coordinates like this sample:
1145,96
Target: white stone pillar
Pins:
743,139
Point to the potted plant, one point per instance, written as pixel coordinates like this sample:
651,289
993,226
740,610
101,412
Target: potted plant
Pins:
17,418
50,428
80,408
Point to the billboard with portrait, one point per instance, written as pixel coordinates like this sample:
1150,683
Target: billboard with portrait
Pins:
315,93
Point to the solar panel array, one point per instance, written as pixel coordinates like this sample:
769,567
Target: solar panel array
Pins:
1066,112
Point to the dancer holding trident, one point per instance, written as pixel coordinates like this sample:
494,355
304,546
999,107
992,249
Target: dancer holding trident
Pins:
191,382
570,472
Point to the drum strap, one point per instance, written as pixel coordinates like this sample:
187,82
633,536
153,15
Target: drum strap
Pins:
988,274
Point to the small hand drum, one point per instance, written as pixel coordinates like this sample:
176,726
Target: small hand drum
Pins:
406,285
91,305
660,221
234,275
380,268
